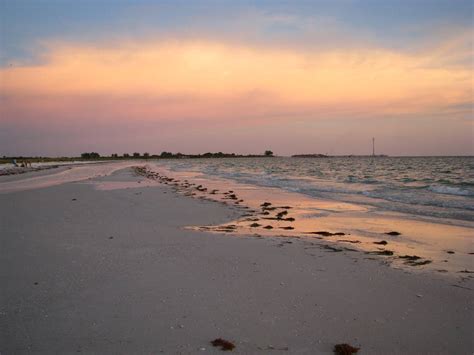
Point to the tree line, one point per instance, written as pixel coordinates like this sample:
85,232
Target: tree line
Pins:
170,155
164,155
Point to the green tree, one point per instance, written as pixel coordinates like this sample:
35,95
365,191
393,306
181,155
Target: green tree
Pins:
166,154
268,153
91,155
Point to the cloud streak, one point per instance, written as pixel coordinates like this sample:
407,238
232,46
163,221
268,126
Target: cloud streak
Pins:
201,79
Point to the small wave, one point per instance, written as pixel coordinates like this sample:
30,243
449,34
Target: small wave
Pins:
448,190
350,179
370,181
407,180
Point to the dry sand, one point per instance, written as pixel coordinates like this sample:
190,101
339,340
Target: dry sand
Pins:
113,271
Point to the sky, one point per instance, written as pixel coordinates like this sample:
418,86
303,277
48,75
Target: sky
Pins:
117,76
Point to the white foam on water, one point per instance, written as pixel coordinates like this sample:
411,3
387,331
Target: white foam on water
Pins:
449,190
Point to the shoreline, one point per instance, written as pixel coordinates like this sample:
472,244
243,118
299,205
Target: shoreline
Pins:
156,286
418,245
8,169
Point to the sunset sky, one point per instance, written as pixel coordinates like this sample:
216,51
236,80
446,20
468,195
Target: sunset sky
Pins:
236,76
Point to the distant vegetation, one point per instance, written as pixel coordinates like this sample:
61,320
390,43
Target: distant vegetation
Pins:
309,156
92,155
169,155
135,155
339,156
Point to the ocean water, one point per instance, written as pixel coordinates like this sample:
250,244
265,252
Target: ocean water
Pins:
440,187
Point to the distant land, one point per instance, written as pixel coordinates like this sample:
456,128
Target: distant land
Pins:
310,156
163,155
339,156
126,156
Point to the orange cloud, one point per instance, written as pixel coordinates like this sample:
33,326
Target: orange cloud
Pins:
214,80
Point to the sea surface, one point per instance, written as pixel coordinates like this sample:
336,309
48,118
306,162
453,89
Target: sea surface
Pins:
439,187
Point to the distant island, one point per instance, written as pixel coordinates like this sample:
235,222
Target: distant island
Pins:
164,155
337,156
310,156
126,156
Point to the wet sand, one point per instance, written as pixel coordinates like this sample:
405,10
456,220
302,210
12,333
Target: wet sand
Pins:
405,241
108,265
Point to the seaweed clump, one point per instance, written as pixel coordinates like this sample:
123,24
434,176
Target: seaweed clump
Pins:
383,252
345,349
412,260
410,257
281,214
330,248
225,345
418,263
327,234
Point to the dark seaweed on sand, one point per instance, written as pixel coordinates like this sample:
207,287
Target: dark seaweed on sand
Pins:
382,252
230,226
345,349
410,257
225,345
328,247
412,260
418,263
326,234
393,233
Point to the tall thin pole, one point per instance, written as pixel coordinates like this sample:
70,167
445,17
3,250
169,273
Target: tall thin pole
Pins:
373,146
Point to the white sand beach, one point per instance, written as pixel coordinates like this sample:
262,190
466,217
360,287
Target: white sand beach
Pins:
103,263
